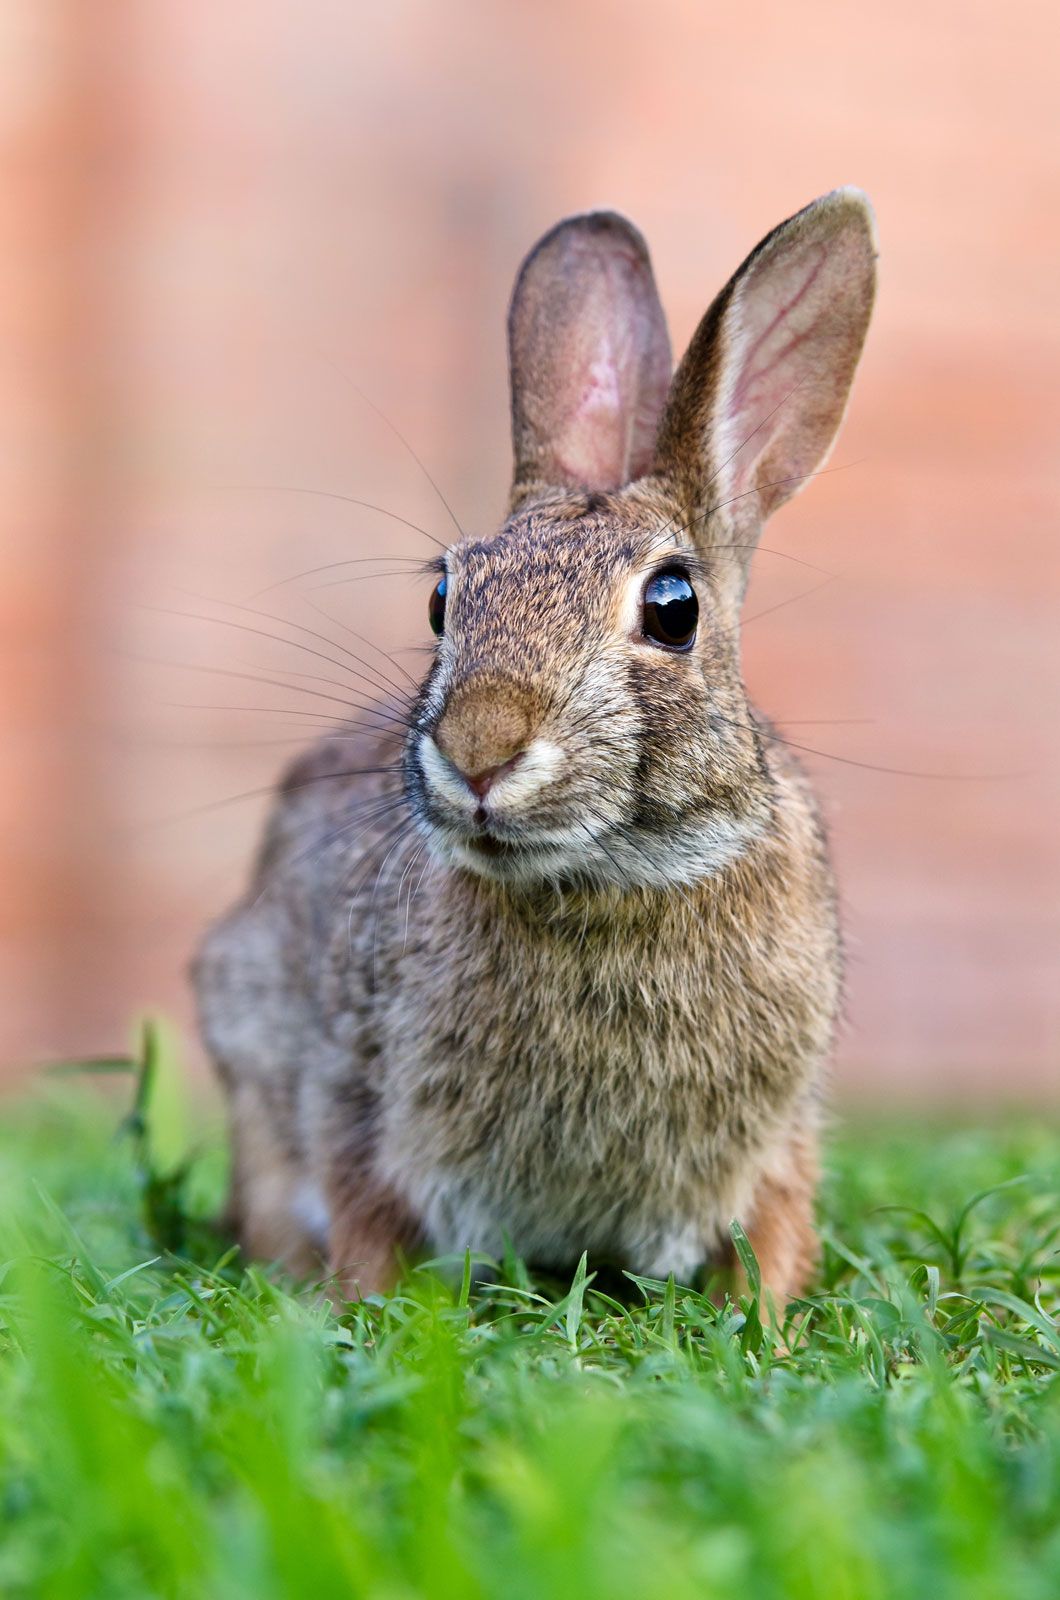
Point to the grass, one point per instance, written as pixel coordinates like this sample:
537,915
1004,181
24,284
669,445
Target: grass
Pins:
175,1422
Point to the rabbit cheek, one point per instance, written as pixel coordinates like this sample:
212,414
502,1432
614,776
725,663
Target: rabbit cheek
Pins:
672,712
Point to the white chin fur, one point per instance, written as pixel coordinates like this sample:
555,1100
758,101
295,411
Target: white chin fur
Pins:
693,852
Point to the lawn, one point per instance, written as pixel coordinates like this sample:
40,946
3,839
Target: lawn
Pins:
176,1422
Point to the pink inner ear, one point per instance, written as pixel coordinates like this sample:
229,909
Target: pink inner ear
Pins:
590,356
602,391
593,443
787,372
765,361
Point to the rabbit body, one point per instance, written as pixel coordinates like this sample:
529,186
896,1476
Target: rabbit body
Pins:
562,964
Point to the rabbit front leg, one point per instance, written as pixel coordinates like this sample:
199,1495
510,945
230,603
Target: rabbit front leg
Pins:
781,1226
371,1228
270,1208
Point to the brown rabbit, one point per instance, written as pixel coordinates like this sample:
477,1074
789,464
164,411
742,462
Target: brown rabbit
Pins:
598,1020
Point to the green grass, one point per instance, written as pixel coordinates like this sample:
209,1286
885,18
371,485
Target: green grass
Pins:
174,1422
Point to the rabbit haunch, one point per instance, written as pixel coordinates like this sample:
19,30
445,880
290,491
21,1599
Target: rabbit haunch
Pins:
564,965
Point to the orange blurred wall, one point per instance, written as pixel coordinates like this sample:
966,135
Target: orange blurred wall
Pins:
212,217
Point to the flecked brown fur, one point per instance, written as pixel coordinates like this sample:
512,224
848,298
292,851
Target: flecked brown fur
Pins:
590,1011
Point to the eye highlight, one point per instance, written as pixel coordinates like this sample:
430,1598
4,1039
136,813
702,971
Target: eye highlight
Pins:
436,606
671,610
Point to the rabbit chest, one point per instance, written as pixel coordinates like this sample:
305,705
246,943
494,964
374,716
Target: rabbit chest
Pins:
576,1082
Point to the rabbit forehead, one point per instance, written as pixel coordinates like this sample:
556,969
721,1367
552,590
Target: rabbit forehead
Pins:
556,569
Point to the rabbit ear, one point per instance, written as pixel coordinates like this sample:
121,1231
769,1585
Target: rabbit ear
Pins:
758,399
589,356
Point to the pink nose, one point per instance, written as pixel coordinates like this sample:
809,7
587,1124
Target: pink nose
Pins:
481,783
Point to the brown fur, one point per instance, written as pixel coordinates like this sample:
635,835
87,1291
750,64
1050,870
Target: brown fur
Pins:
593,1011
371,1229
781,1227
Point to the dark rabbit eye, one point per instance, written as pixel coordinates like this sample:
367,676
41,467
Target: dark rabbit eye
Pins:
436,606
671,610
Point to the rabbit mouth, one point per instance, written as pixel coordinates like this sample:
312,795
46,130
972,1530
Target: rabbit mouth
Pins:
483,850
483,839
487,844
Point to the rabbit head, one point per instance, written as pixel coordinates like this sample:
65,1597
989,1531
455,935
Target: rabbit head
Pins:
584,718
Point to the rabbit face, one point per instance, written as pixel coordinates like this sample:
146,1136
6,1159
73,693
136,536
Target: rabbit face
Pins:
584,718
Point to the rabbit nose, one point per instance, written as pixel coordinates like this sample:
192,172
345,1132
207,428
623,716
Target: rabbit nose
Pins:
482,782
484,730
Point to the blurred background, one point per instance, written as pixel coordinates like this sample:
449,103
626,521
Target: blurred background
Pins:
233,235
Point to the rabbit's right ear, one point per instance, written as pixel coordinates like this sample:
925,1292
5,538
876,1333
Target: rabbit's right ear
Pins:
589,356
758,399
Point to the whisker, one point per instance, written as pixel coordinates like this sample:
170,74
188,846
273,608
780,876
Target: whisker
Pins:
364,815
414,890
269,789
757,429
351,883
298,738
391,708
746,441
383,708
360,870
354,881
871,766
375,887
302,677
369,642
285,622
749,544
411,863
596,840
372,912
318,719
624,832
367,817
776,483
802,477
396,431
281,683
326,494
790,601
348,561
406,876
359,577
315,719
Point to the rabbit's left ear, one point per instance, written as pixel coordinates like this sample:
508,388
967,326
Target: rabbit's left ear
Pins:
757,401
589,356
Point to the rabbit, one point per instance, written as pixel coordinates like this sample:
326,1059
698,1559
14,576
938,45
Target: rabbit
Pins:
597,1014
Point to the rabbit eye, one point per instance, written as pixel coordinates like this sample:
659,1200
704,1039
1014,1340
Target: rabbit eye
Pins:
671,610
436,606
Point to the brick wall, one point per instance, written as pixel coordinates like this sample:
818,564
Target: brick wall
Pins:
207,210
